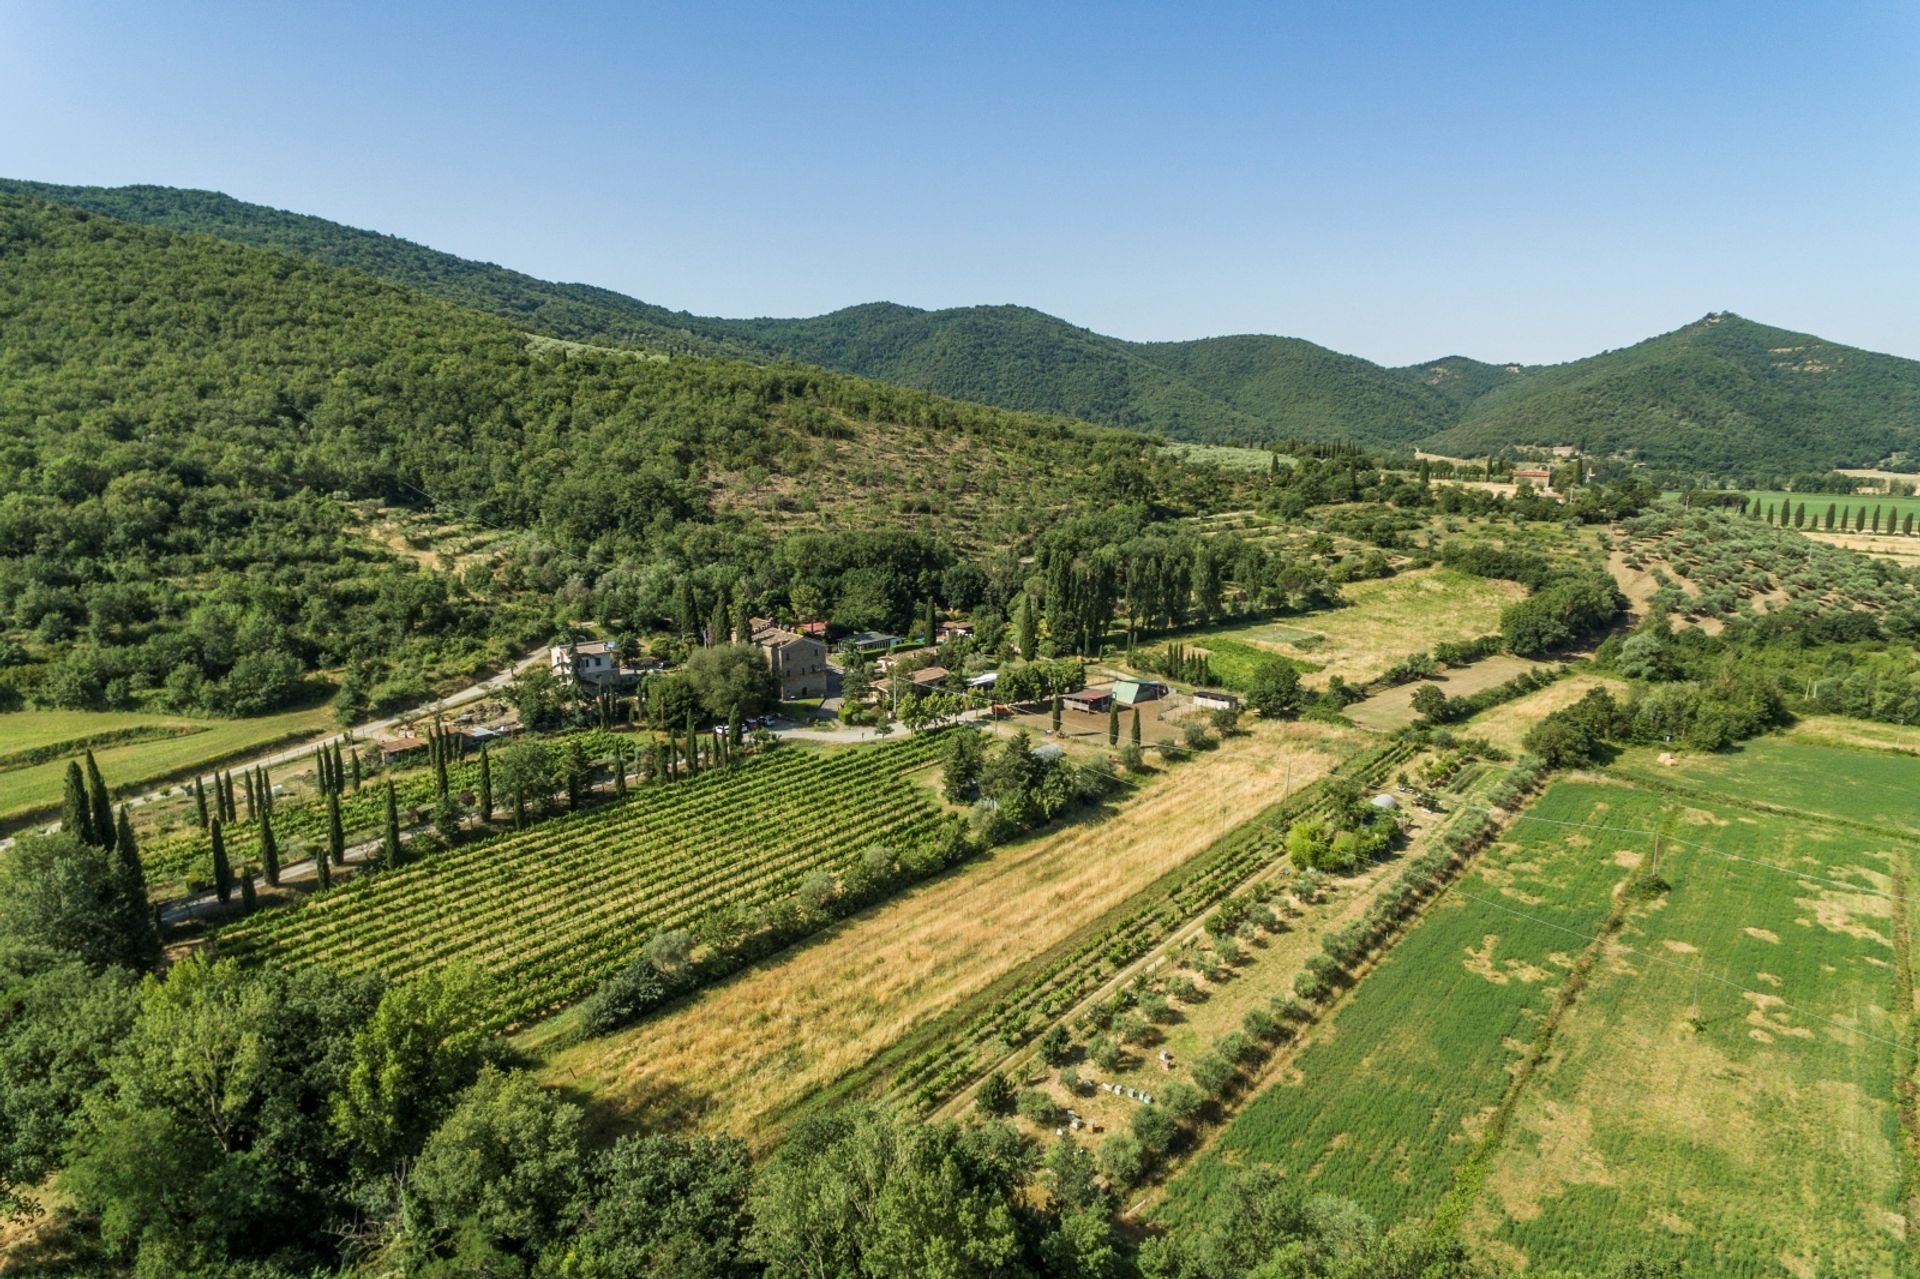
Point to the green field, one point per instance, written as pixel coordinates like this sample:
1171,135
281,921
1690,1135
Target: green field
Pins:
1228,457
1850,504
131,765
1385,1102
1720,1086
551,911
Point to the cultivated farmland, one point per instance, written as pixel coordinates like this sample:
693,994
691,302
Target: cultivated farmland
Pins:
555,909
1581,1052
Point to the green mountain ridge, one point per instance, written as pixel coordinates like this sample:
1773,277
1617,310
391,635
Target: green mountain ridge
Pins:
1722,396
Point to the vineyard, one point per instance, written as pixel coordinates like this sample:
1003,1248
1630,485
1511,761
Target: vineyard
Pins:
300,826
552,911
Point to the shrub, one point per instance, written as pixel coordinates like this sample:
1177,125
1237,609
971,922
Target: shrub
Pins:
1036,1107
995,1094
1131,757
1122,1161
1106,1053
1070,1080
1195,735
1155,1130
1311,987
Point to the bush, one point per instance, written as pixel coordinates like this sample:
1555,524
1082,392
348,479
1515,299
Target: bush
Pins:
1311,987
1195,735
1106,1053
1122,1160
1155,1130
1070,1080
1132,758
1038,1108
995,1094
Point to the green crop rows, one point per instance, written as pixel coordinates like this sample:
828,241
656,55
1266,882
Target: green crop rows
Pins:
551,911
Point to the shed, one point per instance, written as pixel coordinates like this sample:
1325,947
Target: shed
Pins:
1213,699
1090,699
1384,802
1131,692
396,747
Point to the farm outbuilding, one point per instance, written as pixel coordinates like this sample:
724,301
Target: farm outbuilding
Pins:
1213,699
1131,692
1094,700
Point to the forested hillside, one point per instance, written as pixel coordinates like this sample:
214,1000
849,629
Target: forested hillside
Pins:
1723,397
189,425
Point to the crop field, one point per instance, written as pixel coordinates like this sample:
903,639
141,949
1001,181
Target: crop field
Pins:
1850,505
1227,457
1720,1085
742,1054
1385,620
551,911
1383,1103
1724,1086
175,744
1795,771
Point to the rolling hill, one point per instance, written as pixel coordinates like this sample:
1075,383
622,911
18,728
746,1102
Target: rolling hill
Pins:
1723,396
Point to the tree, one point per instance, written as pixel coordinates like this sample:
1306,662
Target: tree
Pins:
486,785
961,764
71,899
667,1207
269,849
502,1176
1025,628
390,853
222,869
1113,723
1133,732
100,807
1431,703
732,679
200,801
407,1064
336,852
1056,713
76,810
526,774
1274,688
138,924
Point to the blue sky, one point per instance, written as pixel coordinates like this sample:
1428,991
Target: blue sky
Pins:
1529,181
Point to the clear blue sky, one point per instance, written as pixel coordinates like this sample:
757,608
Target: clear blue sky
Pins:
1528,181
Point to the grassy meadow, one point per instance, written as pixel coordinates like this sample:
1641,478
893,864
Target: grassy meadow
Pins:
1850,504
177,744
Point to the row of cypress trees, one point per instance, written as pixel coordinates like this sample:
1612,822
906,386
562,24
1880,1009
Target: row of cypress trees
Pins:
88,815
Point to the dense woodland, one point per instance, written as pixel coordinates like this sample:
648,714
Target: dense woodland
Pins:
1721,397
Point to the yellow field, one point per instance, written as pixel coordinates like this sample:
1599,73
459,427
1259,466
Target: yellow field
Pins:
1392,708
130,765
1506,724
739,1055
1385,620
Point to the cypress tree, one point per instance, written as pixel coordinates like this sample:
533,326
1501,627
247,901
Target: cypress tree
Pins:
620,769
1113,723
253,809
247,899
1800,515
339,770
486,785
1056,712
222,870
266,788
269,848
336,834
929,619
232,805
143,934
76,809
390,849
693,749
1906,525
733,727
1832,510
1134,732
1876,519
322,871
354,765
439,772
100,808
200,801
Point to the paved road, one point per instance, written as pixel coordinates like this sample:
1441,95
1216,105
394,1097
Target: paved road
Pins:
359,732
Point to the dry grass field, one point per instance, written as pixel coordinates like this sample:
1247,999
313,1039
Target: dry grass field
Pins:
1385,620
742,1053
1392,708
1506,724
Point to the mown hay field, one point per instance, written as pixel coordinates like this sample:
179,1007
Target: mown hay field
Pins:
1385,620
